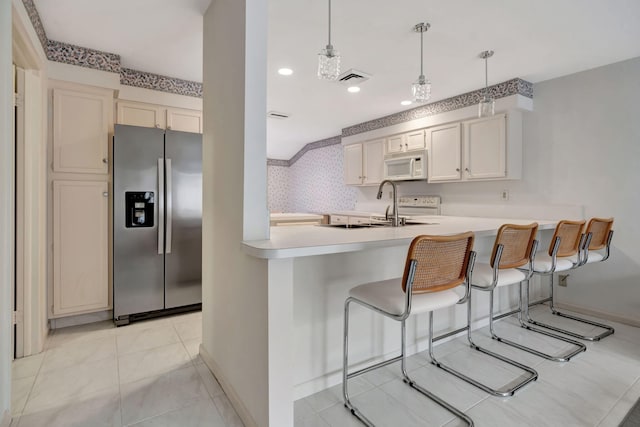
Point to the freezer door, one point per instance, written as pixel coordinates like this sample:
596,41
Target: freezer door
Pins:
183,245
138,267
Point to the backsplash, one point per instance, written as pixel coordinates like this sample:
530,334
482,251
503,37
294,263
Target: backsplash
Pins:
314,183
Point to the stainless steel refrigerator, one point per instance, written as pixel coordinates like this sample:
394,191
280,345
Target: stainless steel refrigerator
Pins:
157,222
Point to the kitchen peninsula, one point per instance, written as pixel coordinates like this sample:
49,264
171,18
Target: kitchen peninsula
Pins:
312,268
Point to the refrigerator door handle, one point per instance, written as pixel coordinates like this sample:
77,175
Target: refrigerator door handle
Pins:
169,207
160,206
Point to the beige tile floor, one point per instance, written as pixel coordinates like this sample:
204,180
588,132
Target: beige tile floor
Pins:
150,374
144,374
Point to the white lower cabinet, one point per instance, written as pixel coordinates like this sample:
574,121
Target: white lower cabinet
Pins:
364,163
80,247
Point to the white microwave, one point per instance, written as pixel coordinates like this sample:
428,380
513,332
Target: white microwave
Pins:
406,166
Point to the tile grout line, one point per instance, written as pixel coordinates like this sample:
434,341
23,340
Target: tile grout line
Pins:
637,381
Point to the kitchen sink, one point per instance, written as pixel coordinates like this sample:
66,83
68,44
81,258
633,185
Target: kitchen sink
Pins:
374,225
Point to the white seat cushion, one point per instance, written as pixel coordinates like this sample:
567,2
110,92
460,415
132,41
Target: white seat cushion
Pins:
388,296
542,263
595,257
482,276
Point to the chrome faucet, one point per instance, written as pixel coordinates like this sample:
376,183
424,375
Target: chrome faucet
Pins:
394,220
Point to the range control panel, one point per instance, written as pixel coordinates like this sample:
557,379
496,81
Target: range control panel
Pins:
419,201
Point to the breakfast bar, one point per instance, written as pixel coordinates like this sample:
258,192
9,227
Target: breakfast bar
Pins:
312,268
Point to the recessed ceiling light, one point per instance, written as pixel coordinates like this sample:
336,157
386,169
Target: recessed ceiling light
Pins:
405,103
353,89
285,71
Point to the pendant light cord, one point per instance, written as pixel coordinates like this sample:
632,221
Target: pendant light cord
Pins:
486,77
329,23
421,51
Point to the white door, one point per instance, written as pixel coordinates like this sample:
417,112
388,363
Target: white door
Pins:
353,164
373,162
485,148
184,120
80,247
140,114
444,153
396,144
415,140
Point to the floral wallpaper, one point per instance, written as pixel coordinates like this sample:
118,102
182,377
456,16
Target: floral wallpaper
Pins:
314,183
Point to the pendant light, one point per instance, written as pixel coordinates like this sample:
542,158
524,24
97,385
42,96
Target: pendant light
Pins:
421,89
328,58
487,104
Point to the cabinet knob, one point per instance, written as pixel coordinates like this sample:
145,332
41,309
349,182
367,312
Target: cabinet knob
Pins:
467,170
157,125
169,127
457,169
105,194
105,161
360,177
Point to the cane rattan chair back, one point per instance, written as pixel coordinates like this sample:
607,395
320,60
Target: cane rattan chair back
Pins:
441,262
569,233
517,242
599,229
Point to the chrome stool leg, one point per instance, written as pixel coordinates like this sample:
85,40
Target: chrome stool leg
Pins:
524,311
533,374
608,330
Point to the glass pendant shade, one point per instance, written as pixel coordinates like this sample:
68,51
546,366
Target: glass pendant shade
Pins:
421,90
486,107
328,64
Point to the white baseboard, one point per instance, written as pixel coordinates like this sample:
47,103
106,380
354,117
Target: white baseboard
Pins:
231,393
5,421
81,319
601,314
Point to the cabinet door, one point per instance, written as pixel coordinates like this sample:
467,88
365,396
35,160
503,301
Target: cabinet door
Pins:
444,153
80,131
485,148
415,140
353,164
80,247
396,144
184,120
373,162
140,114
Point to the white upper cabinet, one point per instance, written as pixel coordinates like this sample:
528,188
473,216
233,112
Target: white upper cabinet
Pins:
485,148
444,156
364,163
158,116
81,122
184,120
140,114
408,141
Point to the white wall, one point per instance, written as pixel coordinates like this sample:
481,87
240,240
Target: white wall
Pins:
234,285
6,210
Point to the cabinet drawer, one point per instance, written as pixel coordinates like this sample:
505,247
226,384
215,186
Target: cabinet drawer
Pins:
339,219
359,220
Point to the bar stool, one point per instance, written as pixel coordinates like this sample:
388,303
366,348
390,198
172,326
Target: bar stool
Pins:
514,248
434,266
570,249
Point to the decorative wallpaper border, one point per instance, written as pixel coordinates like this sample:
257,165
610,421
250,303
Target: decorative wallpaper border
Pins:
334,140
141,79
106,61
500,90
82,56
34,17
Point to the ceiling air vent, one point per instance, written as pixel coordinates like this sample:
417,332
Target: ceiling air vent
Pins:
353,77
277,115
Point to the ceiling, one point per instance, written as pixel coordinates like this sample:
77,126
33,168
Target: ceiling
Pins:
534,40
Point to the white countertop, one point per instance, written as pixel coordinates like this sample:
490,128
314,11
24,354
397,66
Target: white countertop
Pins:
294,216
308,240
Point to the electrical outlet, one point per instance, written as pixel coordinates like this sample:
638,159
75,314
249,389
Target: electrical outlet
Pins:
562,279
504,195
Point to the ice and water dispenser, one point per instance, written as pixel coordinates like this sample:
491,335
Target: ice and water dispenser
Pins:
139,208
